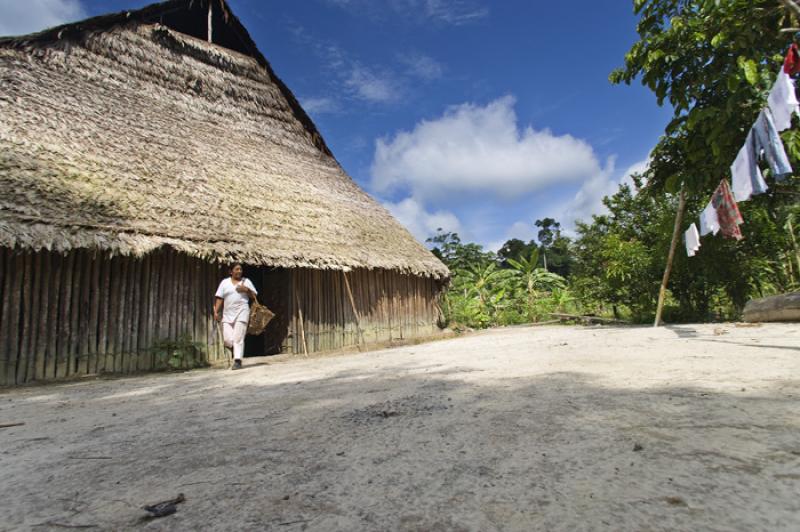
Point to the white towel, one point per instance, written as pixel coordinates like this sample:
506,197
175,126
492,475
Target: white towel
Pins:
783,101
746,175
709,221
692,239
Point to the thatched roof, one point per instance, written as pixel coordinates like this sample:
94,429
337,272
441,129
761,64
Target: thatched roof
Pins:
121,133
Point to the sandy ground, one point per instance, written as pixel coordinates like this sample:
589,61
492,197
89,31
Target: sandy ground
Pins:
681,428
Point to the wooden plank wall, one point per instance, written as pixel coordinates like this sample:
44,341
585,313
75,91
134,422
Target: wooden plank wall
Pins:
389,306
83,312
64,315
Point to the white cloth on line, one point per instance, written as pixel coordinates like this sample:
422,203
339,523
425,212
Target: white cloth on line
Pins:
746,175
709,220
233,334
236,305
783,101
692,239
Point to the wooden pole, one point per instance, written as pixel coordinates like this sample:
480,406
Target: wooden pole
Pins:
353,304
302,328
210,19
44,312
794,244
675,235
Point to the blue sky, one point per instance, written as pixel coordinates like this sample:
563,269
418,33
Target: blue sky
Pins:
475,116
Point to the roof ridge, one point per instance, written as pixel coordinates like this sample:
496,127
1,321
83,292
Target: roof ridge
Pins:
147,14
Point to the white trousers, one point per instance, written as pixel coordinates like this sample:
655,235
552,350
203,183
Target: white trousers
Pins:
234,334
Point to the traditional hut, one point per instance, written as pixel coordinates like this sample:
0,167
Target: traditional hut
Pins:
142,151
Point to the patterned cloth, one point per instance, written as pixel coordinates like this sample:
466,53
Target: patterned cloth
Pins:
727,211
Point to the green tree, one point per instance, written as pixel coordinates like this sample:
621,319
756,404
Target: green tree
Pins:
713,61
549,230
514,248
447,246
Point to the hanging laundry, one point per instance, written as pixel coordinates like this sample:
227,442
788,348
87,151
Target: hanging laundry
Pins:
727,211
692,240
783,101
768,140
709,221
791,64
747,177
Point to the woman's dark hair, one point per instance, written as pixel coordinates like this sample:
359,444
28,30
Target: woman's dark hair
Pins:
235,264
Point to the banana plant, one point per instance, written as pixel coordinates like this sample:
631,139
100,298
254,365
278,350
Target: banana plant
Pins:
534,278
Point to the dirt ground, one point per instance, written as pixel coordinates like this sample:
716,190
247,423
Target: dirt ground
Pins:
557,428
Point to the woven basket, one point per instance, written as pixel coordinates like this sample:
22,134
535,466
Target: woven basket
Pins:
260,316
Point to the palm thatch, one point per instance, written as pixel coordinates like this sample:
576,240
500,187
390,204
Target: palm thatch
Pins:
122,133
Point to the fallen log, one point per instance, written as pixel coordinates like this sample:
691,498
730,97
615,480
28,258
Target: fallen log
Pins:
784,307
586,319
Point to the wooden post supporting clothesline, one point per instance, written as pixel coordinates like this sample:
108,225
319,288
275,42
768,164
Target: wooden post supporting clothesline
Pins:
662,293
210,19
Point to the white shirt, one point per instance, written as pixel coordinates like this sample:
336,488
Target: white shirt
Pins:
236,305
709,220
783,101
692,238
746,175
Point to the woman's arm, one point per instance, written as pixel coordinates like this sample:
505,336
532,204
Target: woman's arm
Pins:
217,307
242,287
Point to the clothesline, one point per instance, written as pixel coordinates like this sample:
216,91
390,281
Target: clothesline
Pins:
763,141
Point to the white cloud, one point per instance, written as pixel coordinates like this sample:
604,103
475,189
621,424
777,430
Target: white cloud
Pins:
523,230
422,66
346,76
636,168
19,17
420,222
589,198
453,12
371,85
479,150
317,106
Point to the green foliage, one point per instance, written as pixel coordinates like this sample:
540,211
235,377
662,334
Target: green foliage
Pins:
620,258
483,293
714,62
449,248
514,248
549,229
178,354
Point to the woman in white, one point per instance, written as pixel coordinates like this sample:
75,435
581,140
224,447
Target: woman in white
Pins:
233,296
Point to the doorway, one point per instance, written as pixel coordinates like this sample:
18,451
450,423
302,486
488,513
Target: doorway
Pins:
272,285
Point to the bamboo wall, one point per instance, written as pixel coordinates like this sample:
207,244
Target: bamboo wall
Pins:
82,312
388,306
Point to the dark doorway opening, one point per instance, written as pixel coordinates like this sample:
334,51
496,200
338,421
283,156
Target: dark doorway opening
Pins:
272,285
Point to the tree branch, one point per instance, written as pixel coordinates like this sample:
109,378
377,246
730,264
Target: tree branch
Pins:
791,5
